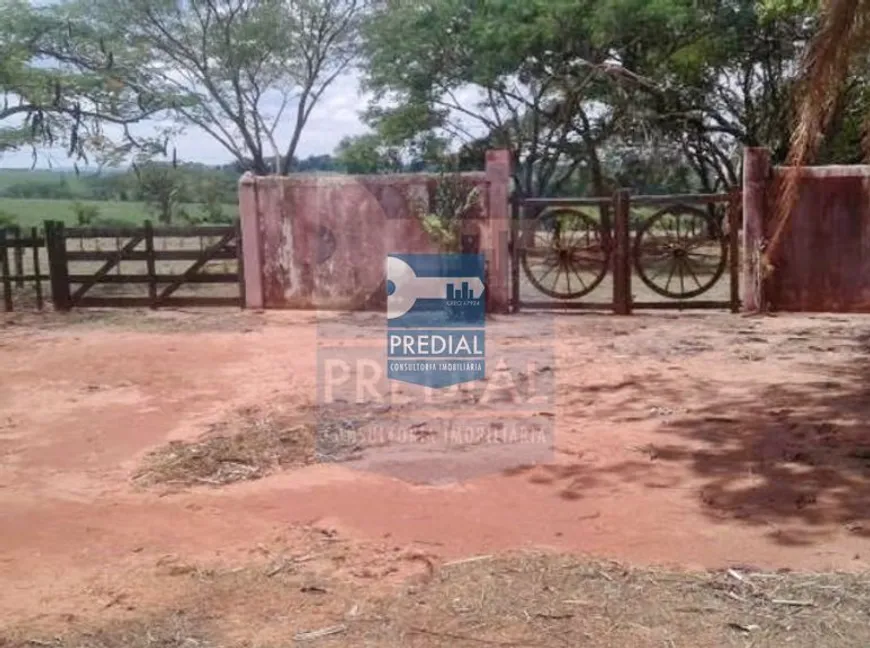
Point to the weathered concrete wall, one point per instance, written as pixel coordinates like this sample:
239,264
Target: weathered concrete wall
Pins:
822,261
316,241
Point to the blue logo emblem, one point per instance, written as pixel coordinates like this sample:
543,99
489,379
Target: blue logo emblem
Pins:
435,318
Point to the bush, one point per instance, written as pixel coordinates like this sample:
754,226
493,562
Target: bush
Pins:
43,190
212,207
218,217
455,200
190,219
85,214
8,219
113,221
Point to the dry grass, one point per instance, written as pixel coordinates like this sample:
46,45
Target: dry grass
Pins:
544,600
169,631
252,443
530,599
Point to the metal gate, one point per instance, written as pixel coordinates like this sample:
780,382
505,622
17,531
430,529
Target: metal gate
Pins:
626,252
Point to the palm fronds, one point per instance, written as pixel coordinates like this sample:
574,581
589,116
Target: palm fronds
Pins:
842,39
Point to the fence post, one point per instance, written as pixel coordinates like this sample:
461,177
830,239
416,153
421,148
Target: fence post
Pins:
756,173
240,264
249,215
498,176
18,256
621,256
37,274
516,243
734,246
55,245
4,270
149,264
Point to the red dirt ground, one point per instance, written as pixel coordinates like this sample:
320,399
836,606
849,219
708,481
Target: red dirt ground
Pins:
693,440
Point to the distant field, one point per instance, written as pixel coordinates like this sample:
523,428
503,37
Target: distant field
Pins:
9,177
30,212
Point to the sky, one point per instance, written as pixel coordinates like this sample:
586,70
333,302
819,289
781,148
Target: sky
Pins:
336,115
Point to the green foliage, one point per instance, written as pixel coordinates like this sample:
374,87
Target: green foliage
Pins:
110,221
212,203
527,74
7,219
162,189
39,190
64,80
367,154
771,10
35,212
564,84
588,95
85,213
455,199
235,71
72,67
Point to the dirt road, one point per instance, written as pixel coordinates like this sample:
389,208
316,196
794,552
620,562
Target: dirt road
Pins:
698,441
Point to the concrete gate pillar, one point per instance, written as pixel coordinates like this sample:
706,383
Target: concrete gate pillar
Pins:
756,176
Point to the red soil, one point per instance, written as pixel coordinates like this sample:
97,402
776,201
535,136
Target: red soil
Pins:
700,441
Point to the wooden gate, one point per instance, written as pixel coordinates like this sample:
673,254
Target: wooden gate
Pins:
145,266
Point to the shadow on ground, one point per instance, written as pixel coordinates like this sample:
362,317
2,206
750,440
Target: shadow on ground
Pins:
792,456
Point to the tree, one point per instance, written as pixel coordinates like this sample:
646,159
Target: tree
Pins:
86,214
529,76
367,154
832,72
558,81
61,84
723,80
162,189
316,163
212,205
829,71
239,69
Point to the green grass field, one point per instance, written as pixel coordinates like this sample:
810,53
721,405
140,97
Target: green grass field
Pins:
30,212
9,177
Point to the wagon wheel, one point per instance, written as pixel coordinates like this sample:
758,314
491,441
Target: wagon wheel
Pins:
565,255
680,252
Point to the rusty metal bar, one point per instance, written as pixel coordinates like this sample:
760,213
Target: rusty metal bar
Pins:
565,202
516,243
686,304
567,305
621,257
682,199
734,205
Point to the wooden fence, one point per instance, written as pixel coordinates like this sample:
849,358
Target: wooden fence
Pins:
20,244
155,264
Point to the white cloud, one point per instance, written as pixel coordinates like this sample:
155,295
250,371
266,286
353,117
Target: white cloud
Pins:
336,116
